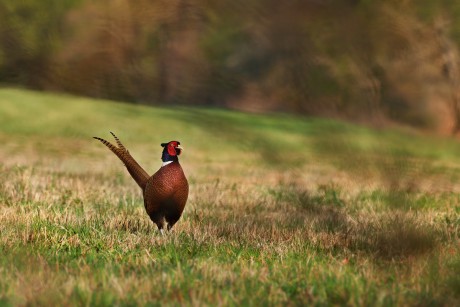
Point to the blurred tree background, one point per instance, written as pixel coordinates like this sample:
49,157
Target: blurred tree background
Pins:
378,61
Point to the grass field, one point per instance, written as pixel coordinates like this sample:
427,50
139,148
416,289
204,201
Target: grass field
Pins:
282,210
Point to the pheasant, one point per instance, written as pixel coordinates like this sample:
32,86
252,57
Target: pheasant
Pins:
165,192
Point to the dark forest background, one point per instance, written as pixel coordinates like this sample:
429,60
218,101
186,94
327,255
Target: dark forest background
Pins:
376,61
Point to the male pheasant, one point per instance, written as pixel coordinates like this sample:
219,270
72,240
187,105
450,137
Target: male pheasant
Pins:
165,192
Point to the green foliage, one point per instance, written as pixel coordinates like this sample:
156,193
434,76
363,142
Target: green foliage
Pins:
31,35
364,60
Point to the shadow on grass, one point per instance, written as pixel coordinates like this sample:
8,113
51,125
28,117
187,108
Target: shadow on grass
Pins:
320,218
323,209
394,235
390,235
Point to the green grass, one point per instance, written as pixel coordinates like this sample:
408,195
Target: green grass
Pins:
282,210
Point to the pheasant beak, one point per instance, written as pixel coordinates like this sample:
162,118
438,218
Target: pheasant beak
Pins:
179,148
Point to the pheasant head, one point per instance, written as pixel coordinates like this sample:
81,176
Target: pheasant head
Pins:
171,151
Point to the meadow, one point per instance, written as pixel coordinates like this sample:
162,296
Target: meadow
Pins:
283,210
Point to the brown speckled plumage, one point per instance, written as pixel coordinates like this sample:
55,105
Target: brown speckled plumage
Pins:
165,192
165,195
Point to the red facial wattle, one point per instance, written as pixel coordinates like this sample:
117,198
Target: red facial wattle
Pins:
172,149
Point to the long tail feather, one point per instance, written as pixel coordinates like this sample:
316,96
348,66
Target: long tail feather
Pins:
120,145
136,171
